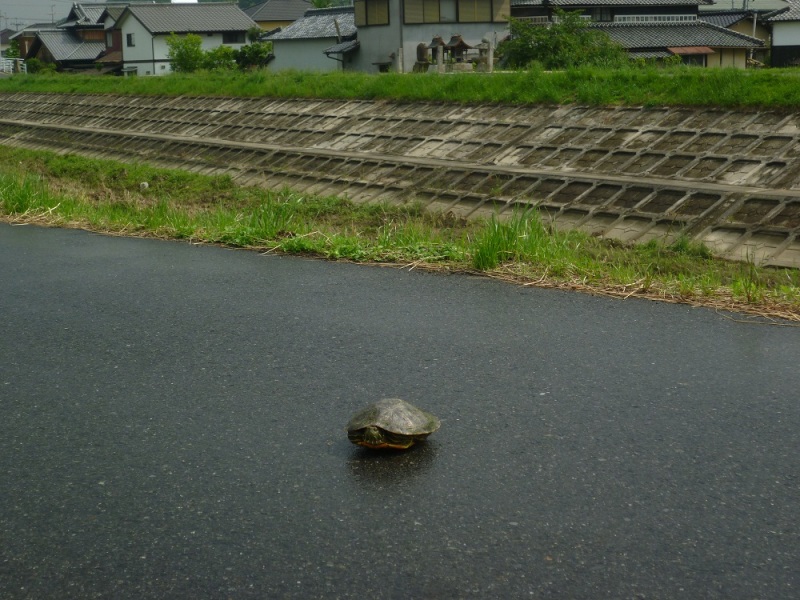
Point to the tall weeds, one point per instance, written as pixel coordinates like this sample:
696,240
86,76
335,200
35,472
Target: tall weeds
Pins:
631,85
521,238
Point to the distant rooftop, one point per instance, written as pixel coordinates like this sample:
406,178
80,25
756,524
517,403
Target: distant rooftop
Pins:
320,23
190,18
279,10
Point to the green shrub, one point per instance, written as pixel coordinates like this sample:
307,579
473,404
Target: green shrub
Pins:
565,43
253,55
35,65
221,57
185,53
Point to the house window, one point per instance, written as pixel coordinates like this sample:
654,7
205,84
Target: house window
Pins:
130,41
601,14
109,40
474,11
422,11
233,37
371,12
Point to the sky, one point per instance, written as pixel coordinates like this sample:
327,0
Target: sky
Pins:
26,12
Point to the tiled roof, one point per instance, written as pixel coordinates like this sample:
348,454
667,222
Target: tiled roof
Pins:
649,54
114,56
30,30
115,12
190,18
67,45
278,10
319,23
723,19
589,3
343,47
86,14
675,35
792,13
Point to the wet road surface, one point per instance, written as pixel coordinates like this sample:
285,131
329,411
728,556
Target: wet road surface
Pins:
172,426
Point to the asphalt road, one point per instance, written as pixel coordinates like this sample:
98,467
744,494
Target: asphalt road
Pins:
172,426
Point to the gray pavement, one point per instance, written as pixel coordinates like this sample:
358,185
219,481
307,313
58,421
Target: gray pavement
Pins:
172,426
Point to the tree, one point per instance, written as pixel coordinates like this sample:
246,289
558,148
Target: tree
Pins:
13,49
185,53
254,33
567,42
253,55
221,57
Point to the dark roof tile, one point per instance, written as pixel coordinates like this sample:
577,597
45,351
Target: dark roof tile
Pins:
791,13
674,35
66,45
319,23
190,18
724,19
279,10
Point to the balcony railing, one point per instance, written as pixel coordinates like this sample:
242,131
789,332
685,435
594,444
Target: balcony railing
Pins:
654,18
544,20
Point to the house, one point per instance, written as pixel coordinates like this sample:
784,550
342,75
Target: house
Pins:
75,43
25,37
66,48
403,35
324,39
5,40
653,29
277,14
785,25
742,21
110,61
144,29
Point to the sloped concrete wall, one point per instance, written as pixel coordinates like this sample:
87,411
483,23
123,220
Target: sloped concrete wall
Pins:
728,178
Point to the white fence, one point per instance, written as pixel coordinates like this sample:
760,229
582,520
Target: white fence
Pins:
13,65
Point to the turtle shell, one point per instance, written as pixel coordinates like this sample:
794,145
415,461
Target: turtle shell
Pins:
395,416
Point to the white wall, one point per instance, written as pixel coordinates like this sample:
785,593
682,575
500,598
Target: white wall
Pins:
303,55
149,55
140,55
378,42
786,34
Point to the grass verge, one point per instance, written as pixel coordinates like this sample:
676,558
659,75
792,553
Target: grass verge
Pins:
649,86
140,200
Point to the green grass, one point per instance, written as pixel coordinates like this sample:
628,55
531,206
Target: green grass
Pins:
68,190
774,88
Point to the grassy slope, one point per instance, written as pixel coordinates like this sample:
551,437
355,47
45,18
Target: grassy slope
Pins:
775,88
335,229
72,191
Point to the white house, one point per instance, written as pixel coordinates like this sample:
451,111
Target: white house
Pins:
394,34
786,35
146,27
324,39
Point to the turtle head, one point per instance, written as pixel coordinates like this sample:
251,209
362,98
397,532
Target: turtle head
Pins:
375,437
372,437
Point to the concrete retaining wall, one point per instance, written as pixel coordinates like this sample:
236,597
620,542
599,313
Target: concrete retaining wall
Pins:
728,178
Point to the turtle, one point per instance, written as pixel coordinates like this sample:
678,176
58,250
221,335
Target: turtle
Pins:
391,423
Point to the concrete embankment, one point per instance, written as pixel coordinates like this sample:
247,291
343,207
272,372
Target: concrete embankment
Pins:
728,178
